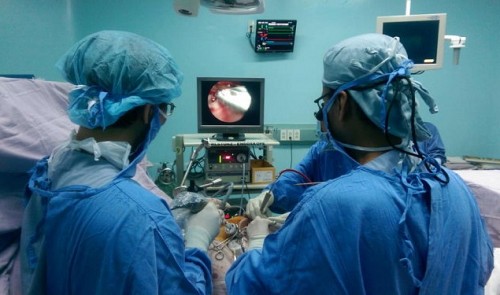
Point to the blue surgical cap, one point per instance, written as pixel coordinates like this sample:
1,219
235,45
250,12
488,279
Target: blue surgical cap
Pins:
117,71
365,66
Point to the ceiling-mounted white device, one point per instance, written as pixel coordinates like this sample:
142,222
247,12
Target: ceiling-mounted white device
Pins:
187,7
235,6
191,7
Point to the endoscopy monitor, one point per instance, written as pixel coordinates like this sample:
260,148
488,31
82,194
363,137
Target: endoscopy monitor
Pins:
274,35
229,107
422,35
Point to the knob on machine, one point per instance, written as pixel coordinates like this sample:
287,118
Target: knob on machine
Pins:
228,162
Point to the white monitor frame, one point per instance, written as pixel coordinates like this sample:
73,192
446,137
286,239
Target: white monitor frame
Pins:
440,17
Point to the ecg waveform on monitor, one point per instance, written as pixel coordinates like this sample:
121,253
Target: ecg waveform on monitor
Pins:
275,36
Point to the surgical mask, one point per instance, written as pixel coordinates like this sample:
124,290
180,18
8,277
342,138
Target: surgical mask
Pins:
334,144
365,149
320,134
115,152
139,154
372,149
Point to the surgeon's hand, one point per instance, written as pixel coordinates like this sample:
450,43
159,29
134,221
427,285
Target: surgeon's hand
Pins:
280,219
254,205
257,231
202,227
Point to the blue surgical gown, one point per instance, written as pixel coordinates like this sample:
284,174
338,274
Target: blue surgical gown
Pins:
434,146
322,162
367,233
112,238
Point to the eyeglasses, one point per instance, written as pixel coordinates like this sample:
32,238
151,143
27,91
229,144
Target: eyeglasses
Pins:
319,114
166,109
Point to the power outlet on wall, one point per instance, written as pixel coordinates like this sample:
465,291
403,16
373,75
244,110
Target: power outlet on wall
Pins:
251,26
290,135
294,133
283,135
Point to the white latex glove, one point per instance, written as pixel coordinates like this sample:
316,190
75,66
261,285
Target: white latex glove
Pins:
202,227
257,231
280,219
254,204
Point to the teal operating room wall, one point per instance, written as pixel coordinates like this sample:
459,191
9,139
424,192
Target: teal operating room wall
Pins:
35,33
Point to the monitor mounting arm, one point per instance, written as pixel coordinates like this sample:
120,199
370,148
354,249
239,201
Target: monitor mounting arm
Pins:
457,43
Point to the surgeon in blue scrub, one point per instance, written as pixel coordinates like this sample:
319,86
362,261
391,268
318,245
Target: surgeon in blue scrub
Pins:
399,223
322,162
89,228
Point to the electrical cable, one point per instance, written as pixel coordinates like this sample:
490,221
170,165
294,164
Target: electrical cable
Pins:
249,37
242,189
228,187
267,196
252,153
294,171
174,176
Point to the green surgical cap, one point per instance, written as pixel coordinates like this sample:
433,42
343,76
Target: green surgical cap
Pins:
361,65
117,71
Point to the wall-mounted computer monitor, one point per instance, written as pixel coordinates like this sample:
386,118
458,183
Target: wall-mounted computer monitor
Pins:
229,107
275,35
422,35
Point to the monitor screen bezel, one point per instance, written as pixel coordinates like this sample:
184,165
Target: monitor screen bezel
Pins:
440,17
230,128
256,39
